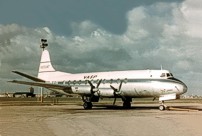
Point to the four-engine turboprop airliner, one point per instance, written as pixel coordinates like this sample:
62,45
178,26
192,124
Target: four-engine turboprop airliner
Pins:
113,84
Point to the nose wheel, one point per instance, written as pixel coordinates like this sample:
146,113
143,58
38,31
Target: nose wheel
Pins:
162,107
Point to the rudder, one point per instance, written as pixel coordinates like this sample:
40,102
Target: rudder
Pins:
47,72
45,63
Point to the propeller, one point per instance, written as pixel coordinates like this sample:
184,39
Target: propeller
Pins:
117,92
93,88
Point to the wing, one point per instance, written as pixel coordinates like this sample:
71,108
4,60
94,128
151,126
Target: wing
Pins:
28,76
65,88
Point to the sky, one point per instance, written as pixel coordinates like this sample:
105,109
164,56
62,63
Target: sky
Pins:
107,35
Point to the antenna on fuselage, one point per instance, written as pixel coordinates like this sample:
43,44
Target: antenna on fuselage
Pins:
161,67
44,44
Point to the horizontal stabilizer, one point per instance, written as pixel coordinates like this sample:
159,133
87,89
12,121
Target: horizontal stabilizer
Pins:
45,85
29,76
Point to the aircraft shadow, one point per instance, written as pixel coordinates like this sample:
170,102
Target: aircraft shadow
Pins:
146,107
117,107
189,107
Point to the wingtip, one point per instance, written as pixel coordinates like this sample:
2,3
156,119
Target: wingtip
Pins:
14,71
13,81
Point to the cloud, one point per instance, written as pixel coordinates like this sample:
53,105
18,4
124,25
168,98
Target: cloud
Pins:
18,47
157,34
192,13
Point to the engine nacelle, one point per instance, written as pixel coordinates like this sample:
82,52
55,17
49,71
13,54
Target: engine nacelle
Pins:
105,92
81,90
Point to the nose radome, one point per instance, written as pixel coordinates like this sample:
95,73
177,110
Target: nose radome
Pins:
184,88
181,87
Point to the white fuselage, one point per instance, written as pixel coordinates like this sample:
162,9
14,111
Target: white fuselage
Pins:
112,84
136,83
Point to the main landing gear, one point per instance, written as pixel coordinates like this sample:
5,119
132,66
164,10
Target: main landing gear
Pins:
87,105
88,101
127,103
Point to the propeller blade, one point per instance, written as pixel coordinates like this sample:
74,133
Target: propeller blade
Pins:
115,90
120,86
114,101
123,97
92,86
98,84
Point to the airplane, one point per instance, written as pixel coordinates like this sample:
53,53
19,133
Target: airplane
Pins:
92,86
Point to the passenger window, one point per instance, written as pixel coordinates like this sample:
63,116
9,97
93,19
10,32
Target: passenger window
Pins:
86,81
104,81
79,82
118,81
66,82
125,80
111,81
74,82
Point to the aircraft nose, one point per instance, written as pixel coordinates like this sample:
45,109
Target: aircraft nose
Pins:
181,87
184,88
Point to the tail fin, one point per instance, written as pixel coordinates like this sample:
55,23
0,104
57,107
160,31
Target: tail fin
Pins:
45,63
46,70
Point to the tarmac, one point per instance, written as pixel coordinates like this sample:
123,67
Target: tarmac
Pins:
70,119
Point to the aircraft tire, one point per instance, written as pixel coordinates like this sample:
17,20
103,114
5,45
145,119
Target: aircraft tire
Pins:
162,108
87,105
126,105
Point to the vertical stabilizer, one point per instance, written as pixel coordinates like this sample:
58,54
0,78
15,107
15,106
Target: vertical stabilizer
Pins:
46,70
45,63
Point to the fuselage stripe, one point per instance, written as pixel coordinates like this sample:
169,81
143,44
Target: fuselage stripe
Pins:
82,82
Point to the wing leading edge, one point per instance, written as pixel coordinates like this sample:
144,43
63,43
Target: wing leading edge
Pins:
28,76
45,85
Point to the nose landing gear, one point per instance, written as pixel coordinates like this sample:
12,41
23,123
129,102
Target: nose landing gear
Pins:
162,106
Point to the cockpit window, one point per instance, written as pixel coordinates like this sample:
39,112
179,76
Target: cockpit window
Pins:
166,75
169,75
163,75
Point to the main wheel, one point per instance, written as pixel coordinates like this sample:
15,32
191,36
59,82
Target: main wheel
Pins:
126,105
87,105
162,107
